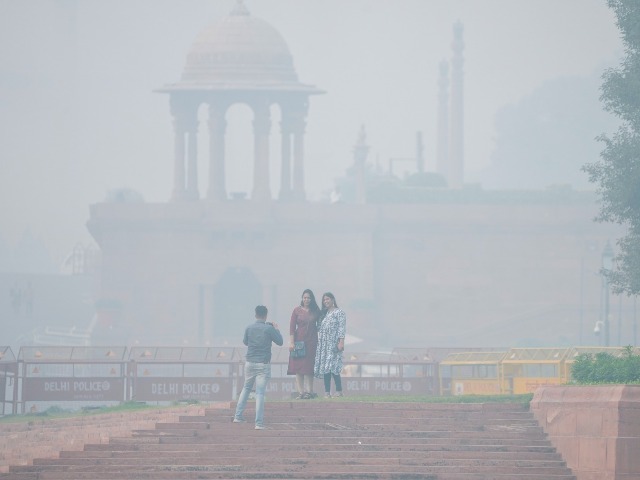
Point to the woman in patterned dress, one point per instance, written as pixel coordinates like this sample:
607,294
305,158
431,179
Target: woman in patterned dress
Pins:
331,335
303,327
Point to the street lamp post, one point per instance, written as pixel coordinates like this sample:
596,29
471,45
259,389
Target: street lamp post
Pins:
607,265
635,321
581,298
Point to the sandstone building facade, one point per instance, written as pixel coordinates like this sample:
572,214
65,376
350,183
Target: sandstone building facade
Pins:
458,268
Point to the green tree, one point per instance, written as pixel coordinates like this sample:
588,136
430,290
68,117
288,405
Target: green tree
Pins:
617,173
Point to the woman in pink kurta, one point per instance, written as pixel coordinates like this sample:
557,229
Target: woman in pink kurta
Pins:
303,327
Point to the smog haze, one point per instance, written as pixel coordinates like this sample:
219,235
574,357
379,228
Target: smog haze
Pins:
80,117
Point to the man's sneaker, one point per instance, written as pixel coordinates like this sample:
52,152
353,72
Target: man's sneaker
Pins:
239,420
260,427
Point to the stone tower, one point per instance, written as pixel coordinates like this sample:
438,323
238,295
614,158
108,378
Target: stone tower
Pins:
456,149
442,153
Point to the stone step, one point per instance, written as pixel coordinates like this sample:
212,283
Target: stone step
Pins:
311,430
281,436
267,461
345,404
340,408
336,403
301,467
357,418
213,448
321,475
323,439
353,424
337,431
309,409
361,452
310,413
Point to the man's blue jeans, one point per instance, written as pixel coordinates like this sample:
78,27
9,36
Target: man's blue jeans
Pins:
258,374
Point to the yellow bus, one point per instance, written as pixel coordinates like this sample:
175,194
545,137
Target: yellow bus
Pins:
472,373
526,369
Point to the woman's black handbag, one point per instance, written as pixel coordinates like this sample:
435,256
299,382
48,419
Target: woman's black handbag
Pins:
299,350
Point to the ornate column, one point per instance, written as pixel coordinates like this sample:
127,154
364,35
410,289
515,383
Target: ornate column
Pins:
192,157
285,172
185,126
298,129
217,128
179,128
261,129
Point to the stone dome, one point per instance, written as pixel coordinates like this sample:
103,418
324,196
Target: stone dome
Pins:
238,52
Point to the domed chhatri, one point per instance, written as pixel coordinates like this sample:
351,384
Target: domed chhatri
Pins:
239,49
240,59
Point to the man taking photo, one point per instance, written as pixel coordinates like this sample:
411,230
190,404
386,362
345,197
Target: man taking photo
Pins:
257,369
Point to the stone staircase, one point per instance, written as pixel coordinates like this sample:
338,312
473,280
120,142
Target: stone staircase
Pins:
323,439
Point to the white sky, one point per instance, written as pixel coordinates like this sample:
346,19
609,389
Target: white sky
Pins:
76,123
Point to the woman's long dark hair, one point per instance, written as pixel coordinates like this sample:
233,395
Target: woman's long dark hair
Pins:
313,305
323,312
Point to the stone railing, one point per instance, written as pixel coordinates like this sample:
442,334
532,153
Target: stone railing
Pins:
595,428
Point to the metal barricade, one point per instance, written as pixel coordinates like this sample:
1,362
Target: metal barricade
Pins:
70,377
182,374
387,374
8,380
366,374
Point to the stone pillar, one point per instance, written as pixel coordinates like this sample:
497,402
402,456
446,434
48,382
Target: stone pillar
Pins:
185,125
442,148
261,129
285,172
217,127
192,158
179,191
298,165
456,151
179,129
298,129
